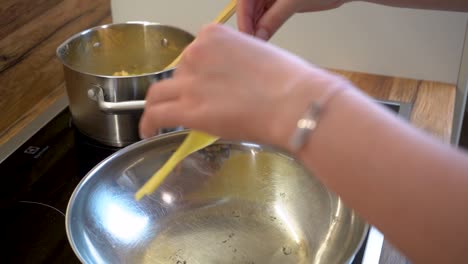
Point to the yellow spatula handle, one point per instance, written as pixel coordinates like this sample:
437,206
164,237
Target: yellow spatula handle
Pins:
227,13
224,16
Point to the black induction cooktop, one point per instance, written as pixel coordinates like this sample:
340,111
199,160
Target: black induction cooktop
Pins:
38,180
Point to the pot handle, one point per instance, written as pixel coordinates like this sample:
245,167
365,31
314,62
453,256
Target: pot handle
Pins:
97,94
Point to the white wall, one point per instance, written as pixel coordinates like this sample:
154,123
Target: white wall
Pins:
358,36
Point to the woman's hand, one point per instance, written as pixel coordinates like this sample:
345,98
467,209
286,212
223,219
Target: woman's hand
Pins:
234,86
263,18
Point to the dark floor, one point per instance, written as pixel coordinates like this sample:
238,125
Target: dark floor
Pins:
464,133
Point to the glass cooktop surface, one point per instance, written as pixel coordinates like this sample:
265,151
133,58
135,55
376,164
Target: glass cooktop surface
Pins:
38,180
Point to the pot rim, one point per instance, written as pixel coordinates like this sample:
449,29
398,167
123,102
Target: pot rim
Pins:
77,35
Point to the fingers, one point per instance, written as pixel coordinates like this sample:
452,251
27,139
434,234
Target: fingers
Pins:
245,16
162,91
274,18
161,115
161,109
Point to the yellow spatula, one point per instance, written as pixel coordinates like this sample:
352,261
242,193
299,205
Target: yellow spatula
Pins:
194,141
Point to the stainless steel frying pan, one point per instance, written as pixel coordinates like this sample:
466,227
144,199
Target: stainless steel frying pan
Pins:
233,202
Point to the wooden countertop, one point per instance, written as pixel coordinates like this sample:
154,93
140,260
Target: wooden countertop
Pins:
32,80
31,77
433,102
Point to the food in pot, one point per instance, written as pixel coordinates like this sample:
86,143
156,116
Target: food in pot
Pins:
121,73
126,73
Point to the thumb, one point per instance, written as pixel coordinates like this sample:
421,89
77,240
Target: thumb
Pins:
274,18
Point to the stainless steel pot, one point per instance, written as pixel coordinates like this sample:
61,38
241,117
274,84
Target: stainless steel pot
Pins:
233,202
105,107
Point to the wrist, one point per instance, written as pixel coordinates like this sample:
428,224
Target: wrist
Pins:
305,95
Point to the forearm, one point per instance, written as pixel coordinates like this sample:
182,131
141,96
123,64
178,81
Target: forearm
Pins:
411,187
451,5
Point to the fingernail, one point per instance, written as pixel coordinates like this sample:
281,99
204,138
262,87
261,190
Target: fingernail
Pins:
262,34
